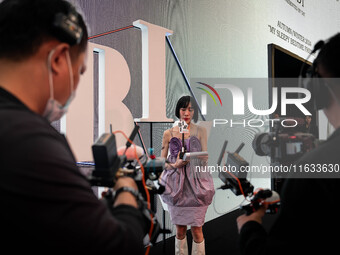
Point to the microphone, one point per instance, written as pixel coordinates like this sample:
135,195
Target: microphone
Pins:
222,152
183,128
318,46
239,148
132,136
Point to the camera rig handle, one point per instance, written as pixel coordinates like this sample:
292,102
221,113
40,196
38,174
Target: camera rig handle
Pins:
110,165
262,198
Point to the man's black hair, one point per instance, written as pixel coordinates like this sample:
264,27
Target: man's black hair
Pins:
26,24
183,102
329,56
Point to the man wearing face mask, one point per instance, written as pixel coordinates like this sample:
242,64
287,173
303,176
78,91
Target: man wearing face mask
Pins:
47,205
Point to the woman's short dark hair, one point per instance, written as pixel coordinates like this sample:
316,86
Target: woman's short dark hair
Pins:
183,102
26,24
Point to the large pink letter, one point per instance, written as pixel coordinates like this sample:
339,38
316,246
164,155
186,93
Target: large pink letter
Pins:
114,84
153,64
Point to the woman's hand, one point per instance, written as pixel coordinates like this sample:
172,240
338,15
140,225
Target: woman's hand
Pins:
179,162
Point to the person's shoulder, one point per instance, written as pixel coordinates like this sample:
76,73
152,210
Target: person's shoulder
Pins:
24,124
14,113
167,133
200,129
327,152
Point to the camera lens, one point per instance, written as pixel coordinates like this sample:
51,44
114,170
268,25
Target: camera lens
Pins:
260,144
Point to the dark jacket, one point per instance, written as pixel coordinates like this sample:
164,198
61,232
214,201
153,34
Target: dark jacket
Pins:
308,221
47,205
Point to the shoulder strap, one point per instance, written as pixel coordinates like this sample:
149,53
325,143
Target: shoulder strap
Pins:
171,132
198,127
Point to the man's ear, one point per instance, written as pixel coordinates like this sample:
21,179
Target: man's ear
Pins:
58,58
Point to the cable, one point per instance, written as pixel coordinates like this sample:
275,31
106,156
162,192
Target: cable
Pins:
111,32
215,209
141,140
144,185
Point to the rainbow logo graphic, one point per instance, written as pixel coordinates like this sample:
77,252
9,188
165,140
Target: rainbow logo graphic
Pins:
204,96
209,93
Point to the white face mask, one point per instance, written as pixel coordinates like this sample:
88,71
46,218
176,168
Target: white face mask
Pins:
54,110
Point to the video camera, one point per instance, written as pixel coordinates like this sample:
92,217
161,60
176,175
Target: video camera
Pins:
234,177
111,163
283,146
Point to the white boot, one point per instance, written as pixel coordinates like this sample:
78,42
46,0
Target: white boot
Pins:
181,246
198,248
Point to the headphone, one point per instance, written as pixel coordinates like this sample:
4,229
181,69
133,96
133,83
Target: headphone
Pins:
67,28
314,82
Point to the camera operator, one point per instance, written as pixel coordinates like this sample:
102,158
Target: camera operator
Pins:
47,205
310,127
307,222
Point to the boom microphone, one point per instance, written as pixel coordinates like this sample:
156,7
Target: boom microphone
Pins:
318,46
132,136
